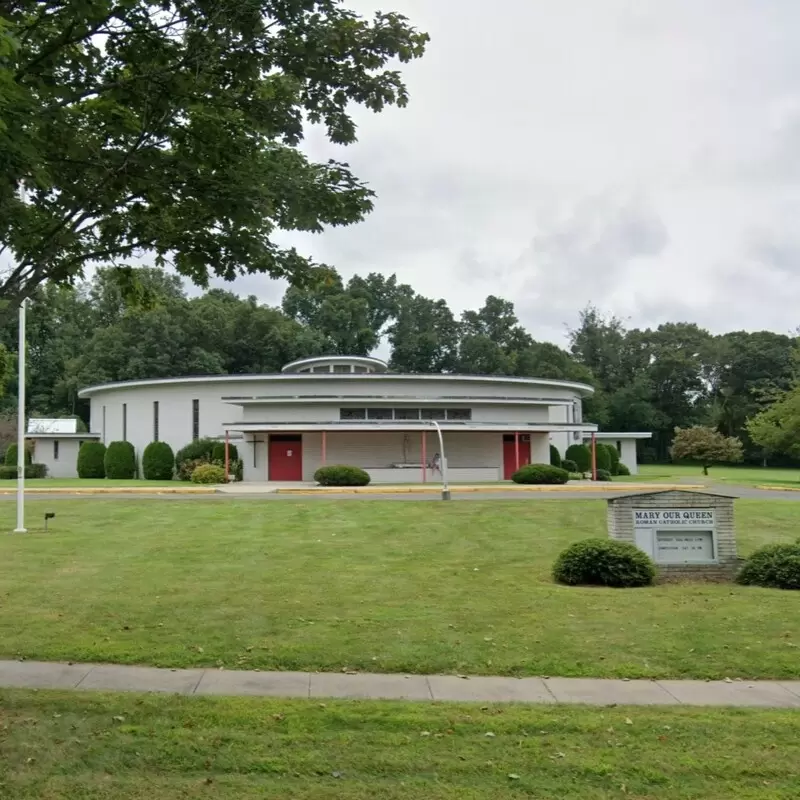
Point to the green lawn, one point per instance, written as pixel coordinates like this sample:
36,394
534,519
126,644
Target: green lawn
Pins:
385,586
85,483
735,476
128,747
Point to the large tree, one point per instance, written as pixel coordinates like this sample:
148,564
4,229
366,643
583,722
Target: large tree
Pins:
173,127
351,318
776,429
746,372
423,336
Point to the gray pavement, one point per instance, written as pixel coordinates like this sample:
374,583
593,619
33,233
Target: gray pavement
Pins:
365,686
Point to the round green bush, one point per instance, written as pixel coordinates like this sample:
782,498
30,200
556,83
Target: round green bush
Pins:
341,475
614,455
555,456
540,474
120,461
158,462
604,562
11,456
91,460
579,453
199,449
208,473
622,469
218,453
603,475
602,458
776,566
569,466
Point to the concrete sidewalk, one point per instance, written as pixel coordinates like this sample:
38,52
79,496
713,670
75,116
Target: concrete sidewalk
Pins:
364,686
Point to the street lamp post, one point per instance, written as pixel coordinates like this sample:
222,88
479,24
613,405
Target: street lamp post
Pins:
445,486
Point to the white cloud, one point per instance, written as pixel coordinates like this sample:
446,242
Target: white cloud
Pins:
641,155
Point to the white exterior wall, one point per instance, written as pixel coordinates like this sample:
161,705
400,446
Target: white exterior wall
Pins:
476,455
562,440
66,465
431,388
174,414
383,448
628,455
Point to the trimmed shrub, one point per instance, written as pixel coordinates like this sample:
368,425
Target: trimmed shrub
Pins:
218,453
555,456
31,471
208,473
602,458
11,456
120,461
341,475
186,468
622,469
91,460
603,475
36,471
604,562
614,455
540,474
579,453
776,566
158,462
200,449
569,466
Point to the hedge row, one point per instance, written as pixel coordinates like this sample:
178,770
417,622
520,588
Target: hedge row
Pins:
118,460
607,460
31,471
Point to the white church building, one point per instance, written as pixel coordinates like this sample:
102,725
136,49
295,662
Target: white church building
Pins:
344,410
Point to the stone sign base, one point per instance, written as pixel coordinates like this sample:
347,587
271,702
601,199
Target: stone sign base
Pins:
716,573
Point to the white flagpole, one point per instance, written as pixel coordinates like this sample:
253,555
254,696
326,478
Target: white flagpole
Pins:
21,413
21,426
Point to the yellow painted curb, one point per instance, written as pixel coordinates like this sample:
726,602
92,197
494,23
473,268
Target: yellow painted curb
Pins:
109,490
416,489
778,488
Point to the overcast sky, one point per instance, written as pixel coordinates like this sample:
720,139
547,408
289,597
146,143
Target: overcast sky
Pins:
638,154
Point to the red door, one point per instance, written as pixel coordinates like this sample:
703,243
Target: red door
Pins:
510,453
286,458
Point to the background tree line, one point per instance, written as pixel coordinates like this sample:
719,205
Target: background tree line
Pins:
675,375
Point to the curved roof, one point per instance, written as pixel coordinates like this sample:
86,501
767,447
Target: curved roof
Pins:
580,388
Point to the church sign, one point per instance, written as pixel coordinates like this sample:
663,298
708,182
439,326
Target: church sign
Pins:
684,532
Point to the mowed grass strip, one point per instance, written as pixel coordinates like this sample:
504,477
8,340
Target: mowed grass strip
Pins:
383,586
722,474
114,747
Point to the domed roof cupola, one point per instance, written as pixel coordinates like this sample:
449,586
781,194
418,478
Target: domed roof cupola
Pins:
337,365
